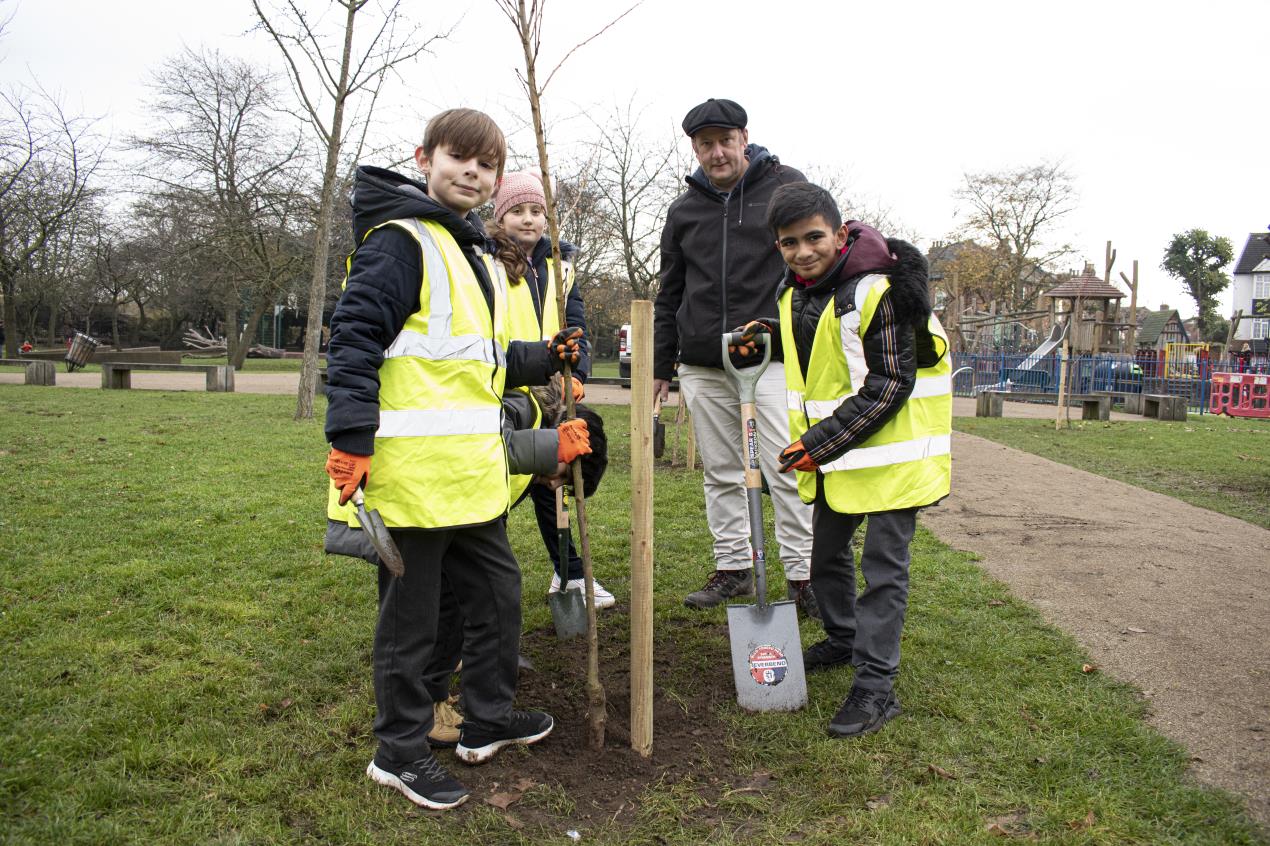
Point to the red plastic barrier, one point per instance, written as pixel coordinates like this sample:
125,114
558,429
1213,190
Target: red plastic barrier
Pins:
1240,395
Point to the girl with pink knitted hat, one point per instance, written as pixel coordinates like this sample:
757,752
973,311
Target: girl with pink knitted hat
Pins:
520,223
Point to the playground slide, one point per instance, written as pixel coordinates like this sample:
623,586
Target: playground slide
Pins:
1038,355
1055,338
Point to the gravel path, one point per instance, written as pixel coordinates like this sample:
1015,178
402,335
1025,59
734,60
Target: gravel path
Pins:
1171,598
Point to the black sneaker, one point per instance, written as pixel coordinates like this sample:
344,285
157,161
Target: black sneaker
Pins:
526,728
800,591
825,656
721,586
424,782
864,711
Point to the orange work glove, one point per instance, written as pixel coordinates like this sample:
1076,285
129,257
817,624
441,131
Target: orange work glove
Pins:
565,348
575,440
348,472
795,457
748,331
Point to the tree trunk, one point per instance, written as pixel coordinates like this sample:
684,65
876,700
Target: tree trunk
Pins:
322,245
249,334
9,286
114,323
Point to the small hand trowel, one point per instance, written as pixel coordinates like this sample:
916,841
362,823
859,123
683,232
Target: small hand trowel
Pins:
377,534
568,607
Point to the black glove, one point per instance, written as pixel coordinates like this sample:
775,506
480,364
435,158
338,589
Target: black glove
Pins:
565,348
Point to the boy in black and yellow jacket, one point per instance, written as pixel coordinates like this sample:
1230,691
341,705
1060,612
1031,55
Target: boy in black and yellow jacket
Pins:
870,417
418,360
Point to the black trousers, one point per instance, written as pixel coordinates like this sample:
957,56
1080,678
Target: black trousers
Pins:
476,568
869,624
544,500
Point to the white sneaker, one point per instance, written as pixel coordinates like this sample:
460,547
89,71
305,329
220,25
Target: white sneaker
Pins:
603,599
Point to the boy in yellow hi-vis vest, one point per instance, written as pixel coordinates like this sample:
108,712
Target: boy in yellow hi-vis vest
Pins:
870,417
418,361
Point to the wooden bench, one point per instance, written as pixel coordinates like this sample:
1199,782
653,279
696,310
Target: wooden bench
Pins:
38,372
117,375
1092,406
1164,406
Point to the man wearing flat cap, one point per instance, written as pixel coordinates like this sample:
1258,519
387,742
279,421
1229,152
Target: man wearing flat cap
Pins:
720,269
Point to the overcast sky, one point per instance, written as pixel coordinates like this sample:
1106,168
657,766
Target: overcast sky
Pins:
1161,111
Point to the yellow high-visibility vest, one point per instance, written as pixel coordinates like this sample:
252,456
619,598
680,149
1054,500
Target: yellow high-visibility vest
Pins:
905,464
439,457
524,325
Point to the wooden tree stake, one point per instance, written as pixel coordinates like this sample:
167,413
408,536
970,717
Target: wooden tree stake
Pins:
642,528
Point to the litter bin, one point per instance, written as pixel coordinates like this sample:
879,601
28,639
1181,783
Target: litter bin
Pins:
81,350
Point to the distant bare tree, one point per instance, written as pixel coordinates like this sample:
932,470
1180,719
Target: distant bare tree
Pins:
326,74
47,160
1015,212
636,179
855,205
218,150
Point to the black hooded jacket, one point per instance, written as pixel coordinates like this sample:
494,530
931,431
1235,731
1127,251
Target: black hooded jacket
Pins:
382,291
719,263
896,343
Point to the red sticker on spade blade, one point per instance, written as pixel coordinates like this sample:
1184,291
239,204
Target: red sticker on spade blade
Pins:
768,665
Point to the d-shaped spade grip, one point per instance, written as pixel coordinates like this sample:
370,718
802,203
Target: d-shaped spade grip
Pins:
746,377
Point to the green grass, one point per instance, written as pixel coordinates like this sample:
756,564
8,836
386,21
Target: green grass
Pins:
1219,463
182,665
604,367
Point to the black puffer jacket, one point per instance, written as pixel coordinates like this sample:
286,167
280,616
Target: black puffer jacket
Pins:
382,290
719,263
896,344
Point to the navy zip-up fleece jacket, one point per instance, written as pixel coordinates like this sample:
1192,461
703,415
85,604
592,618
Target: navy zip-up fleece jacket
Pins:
382,291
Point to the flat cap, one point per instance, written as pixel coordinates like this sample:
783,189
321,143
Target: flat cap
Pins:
712,112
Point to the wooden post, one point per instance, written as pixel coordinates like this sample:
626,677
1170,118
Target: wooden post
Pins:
642,527
1131,342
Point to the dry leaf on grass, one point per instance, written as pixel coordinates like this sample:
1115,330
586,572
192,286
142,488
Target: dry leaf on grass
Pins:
1010,825
525,785
502,800
941,772
995,603
1088,668
1087,822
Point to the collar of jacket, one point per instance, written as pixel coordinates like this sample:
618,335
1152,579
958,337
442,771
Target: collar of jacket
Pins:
381,195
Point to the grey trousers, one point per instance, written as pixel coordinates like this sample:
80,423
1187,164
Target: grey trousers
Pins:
713,400
869,624
475,566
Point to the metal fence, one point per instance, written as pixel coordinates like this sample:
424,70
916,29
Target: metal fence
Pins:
1120,375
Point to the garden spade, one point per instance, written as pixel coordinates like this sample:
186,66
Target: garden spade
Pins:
767,653
377,534
659,429
568,607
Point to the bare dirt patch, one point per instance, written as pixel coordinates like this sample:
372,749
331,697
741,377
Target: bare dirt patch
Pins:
1171,598
560,783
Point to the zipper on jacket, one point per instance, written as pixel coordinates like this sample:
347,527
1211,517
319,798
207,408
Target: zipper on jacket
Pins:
723,272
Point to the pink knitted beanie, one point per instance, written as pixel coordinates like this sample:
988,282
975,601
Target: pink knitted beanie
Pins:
521,187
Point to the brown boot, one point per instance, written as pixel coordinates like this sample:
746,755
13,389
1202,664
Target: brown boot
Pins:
445,724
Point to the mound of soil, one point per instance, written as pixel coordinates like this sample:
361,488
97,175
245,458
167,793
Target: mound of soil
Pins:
560,780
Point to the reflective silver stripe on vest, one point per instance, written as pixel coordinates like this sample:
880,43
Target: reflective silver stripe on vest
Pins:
423,423
887,454
924,388
932,386
794,401
460,348
440,308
